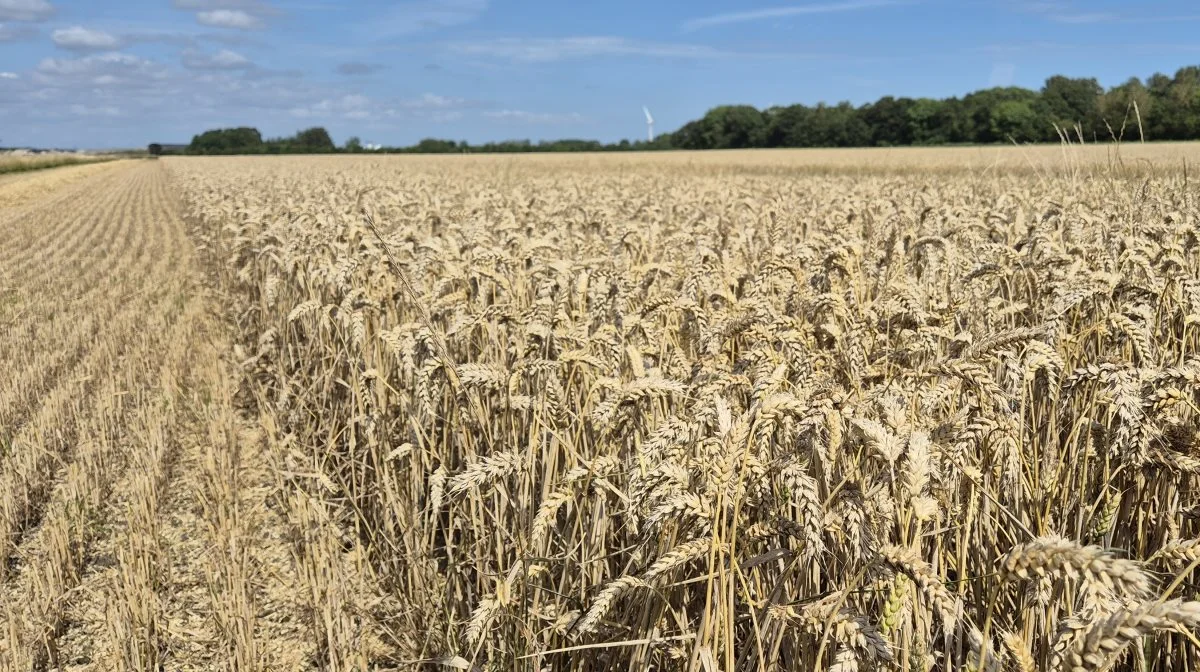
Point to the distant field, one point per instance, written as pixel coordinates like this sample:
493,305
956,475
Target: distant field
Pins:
29,187
17,163
1046,160
1043,158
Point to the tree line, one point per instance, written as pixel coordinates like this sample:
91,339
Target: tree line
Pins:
247,140
1160,108
316,140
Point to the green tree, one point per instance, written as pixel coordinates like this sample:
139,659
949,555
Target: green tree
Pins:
984,122
930,122
887,119
1067,102
788,126
1184,103
734,127
1163,123
692,136
314,140
353,145
837,126
435,146
241,140
1016,120
1117,108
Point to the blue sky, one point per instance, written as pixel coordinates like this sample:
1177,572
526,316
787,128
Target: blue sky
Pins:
103,73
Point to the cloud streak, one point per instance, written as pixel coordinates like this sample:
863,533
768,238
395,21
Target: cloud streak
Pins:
1083,18
253,6
80,110
1067,13
25,10
432,101
12,33
228,18
350,106
785,12
222,60
110,73
548,50
526,117
355,68
361,108
1086,18
407,18
228,14
78,38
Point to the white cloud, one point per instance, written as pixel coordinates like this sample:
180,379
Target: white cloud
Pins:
231,14
544,50
1083,17
785,12
360,108
243,95
138,100
110,63
224,59
534,117
253,6
9,75
25,10
350,106
78,38
228,18
432,107
432,101
106,78
81,110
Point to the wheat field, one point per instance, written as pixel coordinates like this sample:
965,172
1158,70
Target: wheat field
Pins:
11,162
884,410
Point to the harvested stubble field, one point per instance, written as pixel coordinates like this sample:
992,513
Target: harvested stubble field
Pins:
906,410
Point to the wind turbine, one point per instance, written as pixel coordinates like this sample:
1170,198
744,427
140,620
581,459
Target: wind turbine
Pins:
649,124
